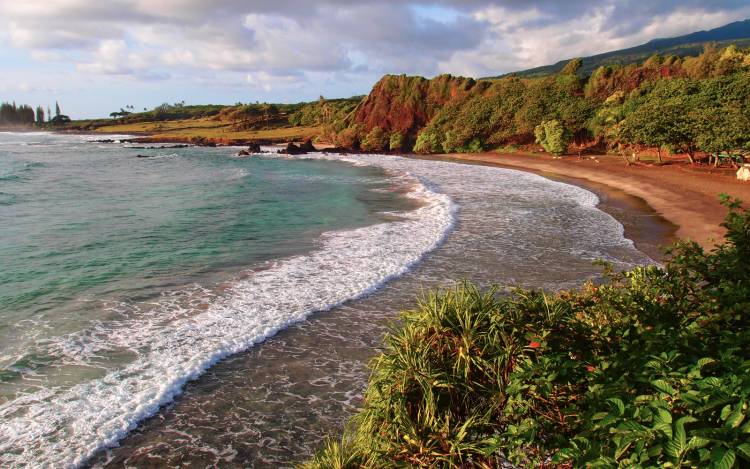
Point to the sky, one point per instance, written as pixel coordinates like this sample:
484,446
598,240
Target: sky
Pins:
95,56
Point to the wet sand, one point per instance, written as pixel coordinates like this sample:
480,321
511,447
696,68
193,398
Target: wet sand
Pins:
683,195
273,405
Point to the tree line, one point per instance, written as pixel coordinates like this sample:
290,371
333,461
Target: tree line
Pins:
24,115
693,105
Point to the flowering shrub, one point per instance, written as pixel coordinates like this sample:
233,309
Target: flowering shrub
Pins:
650,369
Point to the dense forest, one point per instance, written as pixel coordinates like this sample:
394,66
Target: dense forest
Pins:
686,105
240,116
24,115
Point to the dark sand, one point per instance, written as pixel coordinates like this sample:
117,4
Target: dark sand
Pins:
684,195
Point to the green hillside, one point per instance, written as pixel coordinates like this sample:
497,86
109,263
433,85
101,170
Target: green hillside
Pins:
688,45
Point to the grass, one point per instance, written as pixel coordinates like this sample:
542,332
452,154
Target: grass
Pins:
208,128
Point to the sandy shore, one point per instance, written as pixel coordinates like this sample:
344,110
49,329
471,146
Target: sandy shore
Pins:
685,196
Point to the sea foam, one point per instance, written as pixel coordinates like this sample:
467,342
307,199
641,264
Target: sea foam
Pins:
173,346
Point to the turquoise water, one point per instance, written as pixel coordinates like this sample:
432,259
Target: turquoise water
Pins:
123,278
84,225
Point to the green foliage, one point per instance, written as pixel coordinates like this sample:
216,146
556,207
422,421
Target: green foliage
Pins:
396,142
572,67
10,114
686,115
553,136
683,105
375,140
649,369
428,141
324,111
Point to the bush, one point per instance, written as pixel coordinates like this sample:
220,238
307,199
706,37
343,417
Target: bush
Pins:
375,140
348,138
428,141
553,136
396,141
650,369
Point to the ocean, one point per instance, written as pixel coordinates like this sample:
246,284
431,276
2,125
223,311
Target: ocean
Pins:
197,308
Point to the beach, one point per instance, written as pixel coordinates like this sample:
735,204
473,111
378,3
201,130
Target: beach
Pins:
290,377
685,196
273,405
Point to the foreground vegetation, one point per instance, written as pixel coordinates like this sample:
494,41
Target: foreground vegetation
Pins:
650,368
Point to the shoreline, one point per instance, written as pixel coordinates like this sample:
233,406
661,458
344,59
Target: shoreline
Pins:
675,200
315,374
686,199
649,231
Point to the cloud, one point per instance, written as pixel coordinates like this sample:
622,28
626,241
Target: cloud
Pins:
544,32
296,46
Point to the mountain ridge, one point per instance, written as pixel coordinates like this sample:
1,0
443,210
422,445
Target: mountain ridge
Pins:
737,32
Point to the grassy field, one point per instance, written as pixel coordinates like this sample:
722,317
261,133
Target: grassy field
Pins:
208,128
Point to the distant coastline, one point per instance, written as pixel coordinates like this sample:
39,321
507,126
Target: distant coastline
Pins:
685,197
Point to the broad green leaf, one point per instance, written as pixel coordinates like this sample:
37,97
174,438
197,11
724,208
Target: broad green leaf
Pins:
662,416
697,442
662,386
705,361
744,450
722,458
736,417
616,402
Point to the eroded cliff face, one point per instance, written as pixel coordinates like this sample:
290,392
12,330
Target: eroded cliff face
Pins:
405,104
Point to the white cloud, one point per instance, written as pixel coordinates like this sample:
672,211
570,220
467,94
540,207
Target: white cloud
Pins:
293,46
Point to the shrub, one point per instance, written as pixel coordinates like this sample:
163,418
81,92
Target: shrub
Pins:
375,140
348,138
474,146
428,141
651,368
396,141
553,136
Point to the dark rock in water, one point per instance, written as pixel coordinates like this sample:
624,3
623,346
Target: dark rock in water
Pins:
292,149
145,156
254,148
308,146
159,147
244,153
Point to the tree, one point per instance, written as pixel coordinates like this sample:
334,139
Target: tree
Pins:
375,140
553,136
39,115
57,109
662,123
428,141
396,141
722,130
572,67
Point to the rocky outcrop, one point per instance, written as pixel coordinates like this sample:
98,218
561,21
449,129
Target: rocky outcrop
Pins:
308,146
292,149
404,104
